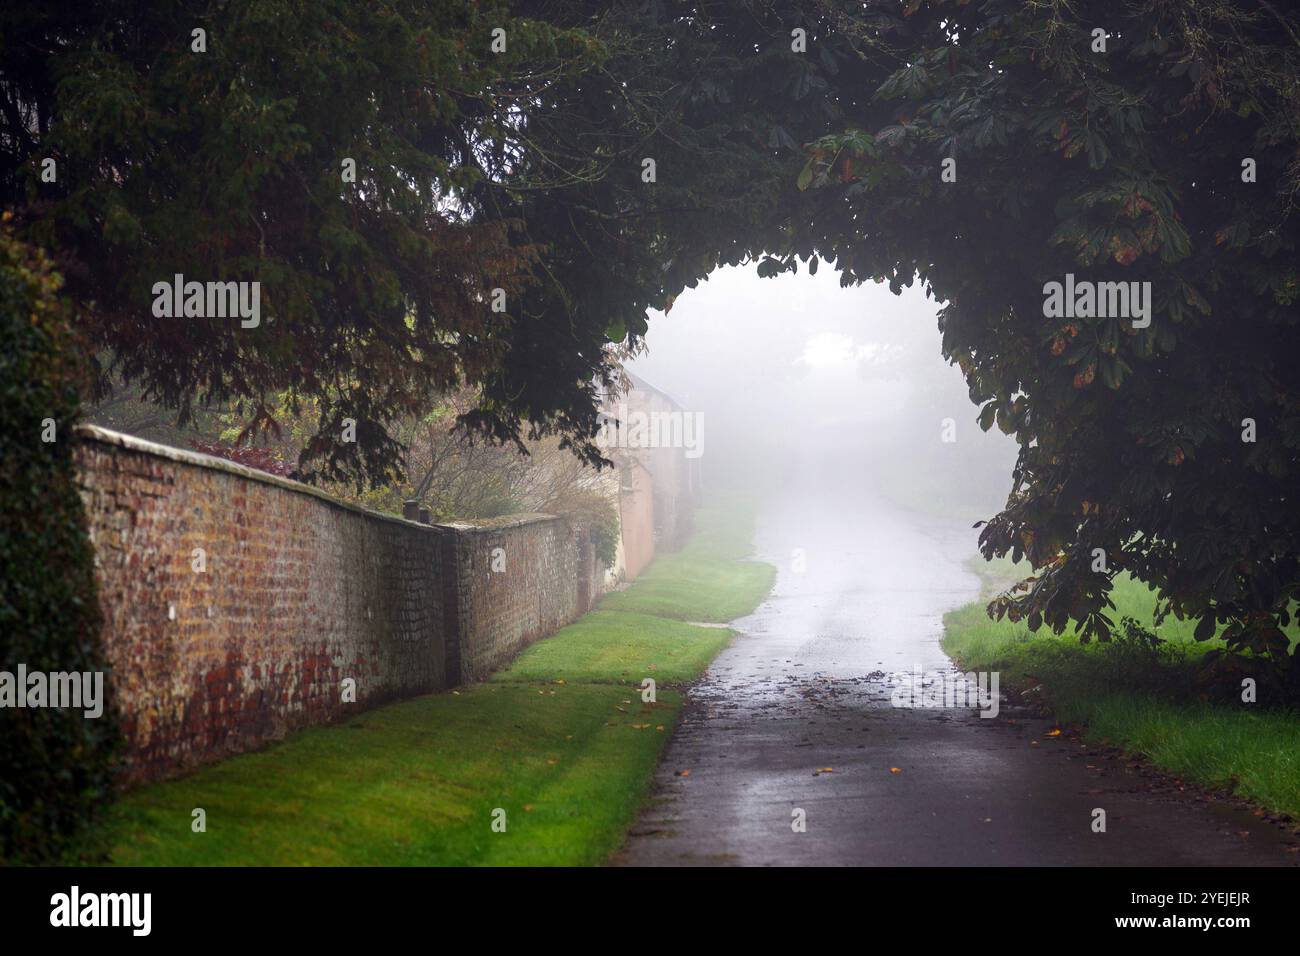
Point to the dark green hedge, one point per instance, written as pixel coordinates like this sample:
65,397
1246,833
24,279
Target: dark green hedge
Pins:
55,764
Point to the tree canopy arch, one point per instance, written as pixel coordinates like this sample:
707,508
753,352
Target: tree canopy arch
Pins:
1150,142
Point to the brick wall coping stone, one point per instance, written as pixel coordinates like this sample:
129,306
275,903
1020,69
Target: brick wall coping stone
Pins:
489,525
105,436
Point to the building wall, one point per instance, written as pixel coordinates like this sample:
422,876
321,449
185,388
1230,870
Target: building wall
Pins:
674,477
636,519
291,592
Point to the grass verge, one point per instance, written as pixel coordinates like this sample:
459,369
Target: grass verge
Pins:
709,579
561,741
1149,701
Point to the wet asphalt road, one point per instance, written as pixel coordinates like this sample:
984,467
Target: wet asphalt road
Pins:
807,685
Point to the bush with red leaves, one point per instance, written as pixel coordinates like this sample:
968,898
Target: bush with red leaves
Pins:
263,459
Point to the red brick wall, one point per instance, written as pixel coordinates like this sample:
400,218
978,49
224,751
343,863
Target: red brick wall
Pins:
300,592
536,589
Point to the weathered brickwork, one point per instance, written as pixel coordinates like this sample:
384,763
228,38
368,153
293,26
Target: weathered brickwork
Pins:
298,593
516,581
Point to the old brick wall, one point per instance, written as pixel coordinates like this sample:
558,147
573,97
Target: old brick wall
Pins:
299,591
516,580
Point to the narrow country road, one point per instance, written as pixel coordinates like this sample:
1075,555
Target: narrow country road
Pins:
807,685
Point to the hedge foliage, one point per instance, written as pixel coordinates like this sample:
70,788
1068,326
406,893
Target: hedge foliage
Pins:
55,764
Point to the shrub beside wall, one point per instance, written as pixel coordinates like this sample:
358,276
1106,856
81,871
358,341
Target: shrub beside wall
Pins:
55,764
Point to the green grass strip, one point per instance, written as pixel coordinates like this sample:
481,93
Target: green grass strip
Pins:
1147,702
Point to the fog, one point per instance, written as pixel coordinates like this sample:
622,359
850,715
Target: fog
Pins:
796,377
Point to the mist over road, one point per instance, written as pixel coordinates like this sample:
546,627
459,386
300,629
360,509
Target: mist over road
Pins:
807,685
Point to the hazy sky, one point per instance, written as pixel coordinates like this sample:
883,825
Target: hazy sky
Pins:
797,363
797,342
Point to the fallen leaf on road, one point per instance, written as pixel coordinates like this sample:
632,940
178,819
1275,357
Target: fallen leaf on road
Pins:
1054,732
895,769
683,773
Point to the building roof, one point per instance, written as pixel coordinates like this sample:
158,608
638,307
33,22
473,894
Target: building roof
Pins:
641,384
